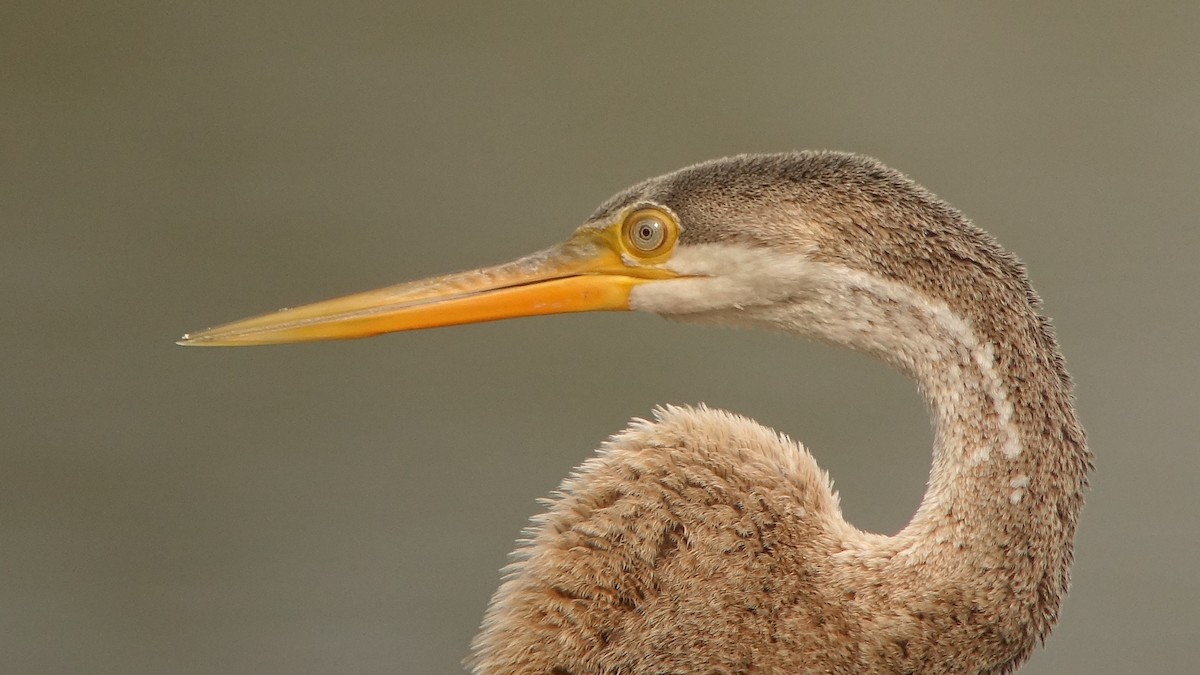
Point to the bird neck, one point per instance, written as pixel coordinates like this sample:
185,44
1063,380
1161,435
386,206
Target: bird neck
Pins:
997,523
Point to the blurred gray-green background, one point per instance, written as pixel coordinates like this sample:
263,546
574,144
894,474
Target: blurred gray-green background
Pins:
345,507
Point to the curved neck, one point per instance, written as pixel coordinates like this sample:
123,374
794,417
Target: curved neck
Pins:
996,526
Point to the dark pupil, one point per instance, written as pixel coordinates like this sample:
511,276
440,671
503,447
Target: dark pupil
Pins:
647,232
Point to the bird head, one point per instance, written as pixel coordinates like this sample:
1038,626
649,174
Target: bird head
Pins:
717,241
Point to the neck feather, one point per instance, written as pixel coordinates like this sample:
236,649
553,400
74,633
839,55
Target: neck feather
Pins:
996,526
1009,458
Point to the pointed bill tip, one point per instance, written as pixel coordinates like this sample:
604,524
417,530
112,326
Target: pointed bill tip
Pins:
194,340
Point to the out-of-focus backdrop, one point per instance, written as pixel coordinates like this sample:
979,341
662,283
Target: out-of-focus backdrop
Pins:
346,507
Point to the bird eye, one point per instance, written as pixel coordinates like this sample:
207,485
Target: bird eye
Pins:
649,232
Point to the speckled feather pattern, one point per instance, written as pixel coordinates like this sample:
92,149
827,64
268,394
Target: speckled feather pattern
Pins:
701,542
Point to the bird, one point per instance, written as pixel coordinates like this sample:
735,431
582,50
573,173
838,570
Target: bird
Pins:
699,541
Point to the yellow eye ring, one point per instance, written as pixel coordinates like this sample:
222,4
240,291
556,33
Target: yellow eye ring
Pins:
649,232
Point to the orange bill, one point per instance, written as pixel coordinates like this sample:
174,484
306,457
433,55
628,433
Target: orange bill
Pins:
586,273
